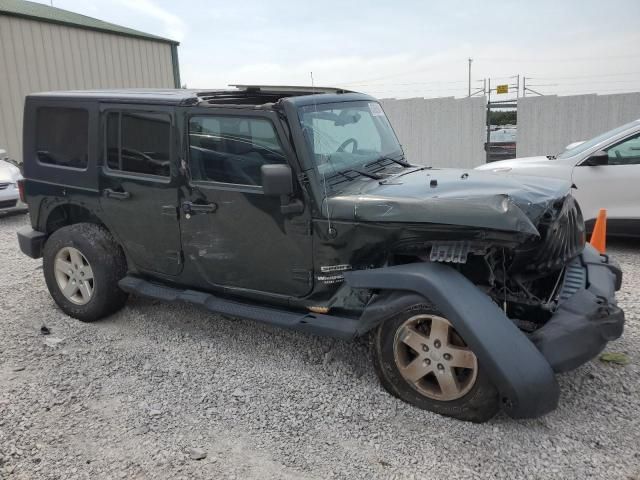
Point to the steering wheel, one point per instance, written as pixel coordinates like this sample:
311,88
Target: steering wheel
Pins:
347,142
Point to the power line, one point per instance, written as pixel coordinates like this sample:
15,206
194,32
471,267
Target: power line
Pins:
512,60
637,82
552,60
444,82
536,77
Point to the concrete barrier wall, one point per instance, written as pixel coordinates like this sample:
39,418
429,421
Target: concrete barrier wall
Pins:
546,125
441,132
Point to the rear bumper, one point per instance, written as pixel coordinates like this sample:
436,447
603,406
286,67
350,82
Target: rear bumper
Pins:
31,242
587,317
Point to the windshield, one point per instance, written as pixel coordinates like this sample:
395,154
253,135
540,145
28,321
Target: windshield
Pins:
348,136
583,147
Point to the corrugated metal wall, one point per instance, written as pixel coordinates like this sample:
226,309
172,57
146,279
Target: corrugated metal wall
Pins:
441,132
546,125
38,56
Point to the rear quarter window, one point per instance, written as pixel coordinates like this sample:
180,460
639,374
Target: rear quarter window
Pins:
62,137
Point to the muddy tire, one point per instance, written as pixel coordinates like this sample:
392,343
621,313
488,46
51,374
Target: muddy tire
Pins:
421,359
82,265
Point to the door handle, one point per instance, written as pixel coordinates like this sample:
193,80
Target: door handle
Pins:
190,208
109,193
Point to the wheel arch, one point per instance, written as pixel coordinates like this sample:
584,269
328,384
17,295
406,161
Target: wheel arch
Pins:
69,213
72,213
521,374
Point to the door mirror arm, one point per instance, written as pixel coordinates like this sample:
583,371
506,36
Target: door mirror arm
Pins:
289,205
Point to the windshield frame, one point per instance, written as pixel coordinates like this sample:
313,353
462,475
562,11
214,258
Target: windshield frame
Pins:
378,120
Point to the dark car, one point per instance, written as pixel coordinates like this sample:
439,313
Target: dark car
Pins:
295,206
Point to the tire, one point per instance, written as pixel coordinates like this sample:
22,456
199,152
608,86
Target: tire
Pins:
77,247
476,399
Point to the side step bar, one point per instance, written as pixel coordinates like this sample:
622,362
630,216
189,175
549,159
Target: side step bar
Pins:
317,324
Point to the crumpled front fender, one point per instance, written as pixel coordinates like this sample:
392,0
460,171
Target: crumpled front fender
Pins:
521,374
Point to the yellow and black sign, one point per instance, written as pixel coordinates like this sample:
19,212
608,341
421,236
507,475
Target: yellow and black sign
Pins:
502,89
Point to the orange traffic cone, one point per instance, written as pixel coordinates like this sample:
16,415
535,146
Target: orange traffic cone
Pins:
599,234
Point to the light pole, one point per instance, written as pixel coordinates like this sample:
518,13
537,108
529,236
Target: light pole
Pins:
470,60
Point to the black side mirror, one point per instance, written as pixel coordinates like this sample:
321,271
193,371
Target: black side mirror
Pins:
597,158
277,181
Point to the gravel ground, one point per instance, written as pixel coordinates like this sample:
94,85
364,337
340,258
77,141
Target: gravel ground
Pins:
146,392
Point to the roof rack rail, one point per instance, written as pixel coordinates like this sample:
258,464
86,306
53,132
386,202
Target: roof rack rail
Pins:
290,88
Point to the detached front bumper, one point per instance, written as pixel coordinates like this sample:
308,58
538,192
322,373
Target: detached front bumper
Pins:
587,316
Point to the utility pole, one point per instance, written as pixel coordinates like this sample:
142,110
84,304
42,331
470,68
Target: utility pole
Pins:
470,60
488,143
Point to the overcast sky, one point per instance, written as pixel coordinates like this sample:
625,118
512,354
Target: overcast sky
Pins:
393,48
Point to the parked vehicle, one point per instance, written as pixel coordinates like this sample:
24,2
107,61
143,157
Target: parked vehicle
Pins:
604,170
10,176
296,207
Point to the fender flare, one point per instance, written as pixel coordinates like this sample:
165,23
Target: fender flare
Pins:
523,377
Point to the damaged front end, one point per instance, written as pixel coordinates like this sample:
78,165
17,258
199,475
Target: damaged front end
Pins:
527,309
521,246
512,238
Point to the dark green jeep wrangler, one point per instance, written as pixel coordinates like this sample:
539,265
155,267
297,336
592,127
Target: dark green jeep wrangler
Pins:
295,206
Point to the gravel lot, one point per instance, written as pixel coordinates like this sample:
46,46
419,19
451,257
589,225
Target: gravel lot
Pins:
145,392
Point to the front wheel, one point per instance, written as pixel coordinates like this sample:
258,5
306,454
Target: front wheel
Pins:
420,358
82,265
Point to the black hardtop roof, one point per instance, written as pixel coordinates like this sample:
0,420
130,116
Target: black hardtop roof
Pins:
240,95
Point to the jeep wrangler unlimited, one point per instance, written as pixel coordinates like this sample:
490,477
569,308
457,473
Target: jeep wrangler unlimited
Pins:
295,206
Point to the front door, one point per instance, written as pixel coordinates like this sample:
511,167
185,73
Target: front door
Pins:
233,236
138,186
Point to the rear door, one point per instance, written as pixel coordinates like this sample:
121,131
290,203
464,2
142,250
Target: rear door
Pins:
613,186
138,183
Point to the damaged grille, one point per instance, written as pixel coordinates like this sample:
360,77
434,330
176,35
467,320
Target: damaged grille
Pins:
563,237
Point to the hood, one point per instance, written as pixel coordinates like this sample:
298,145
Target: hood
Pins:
531,166
450,196
514,162
9,173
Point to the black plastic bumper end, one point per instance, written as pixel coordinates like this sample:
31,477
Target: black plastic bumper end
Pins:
31,242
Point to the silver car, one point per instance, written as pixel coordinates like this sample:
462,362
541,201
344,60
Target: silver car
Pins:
9,192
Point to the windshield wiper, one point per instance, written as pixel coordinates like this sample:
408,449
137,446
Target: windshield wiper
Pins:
364,173
399,161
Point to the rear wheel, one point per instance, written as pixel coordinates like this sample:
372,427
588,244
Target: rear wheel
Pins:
82,265
420,358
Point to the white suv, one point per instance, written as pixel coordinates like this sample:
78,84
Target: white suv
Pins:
605,172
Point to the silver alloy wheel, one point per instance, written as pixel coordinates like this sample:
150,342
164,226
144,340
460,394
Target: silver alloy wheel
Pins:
433,358
74,275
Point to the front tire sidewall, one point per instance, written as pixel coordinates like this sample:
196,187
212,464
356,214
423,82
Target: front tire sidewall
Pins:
107,263
481,402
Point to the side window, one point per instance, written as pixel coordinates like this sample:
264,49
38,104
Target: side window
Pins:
626,152
62,136
138,142
232,149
